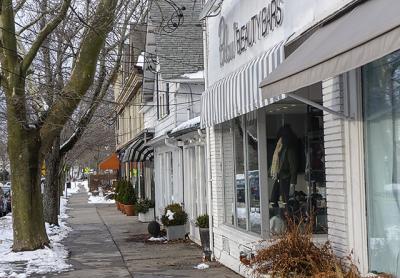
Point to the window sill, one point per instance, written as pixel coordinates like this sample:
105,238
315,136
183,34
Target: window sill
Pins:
238,235
244,237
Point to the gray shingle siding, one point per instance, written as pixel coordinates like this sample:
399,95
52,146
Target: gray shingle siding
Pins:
179,50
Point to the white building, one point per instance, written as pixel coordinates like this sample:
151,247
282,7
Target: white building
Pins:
172,88
330,71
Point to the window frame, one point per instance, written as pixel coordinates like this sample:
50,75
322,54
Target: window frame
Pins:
260,137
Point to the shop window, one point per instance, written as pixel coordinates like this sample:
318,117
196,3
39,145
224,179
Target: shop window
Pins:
241,173
381,93
296,166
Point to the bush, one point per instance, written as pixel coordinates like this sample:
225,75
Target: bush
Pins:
143,205
130,195
174,215
294,254
202,221
121,190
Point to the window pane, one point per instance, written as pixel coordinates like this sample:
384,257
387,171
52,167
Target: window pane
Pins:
253,173
241,196
381,81
229,174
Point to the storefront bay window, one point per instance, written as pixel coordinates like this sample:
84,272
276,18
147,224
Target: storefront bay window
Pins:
288,180
241,173
381,94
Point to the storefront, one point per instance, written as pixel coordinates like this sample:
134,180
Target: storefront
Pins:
319,140
137,164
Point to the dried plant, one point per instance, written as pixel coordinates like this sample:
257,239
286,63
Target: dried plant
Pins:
294,254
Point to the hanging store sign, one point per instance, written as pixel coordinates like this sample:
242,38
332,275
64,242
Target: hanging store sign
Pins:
244,37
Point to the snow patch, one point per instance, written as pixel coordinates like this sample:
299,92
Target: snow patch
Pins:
188,124
157,239
49,259
202,266
140,60
170,215
99,200
77,187
194,75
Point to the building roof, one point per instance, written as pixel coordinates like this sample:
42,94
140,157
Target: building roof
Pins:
179,48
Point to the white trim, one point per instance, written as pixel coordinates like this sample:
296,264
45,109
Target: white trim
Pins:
355,176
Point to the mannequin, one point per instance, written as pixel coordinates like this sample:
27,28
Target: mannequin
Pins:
284,165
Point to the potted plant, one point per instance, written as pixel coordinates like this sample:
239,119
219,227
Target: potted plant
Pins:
117,188
174,219
121,195
145,209
202,222
129,200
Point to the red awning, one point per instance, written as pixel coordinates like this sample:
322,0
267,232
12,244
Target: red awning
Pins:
110,163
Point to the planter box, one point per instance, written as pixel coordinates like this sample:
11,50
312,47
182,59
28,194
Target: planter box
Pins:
129,210
176,232
205,242
146,217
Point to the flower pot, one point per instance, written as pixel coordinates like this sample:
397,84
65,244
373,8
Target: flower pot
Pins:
122,208
129,210
205,242
117,204
176,232
147,216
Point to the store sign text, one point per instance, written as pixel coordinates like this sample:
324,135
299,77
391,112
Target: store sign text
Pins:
245,36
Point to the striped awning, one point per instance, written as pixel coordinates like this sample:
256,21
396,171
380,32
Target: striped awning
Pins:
239,93
139,151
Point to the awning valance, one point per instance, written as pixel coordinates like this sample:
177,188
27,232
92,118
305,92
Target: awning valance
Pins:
368,32
239,92
138,150
110,163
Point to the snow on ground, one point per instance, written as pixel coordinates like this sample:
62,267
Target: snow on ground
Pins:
99,200
163,238
49,259
77,187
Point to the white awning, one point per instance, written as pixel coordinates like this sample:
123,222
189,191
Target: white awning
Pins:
367,33
239,93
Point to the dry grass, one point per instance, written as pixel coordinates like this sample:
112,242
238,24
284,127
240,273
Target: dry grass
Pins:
293,254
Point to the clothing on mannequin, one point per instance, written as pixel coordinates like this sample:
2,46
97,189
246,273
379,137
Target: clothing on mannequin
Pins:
284,165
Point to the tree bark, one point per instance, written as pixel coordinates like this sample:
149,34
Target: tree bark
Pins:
24,151
51,186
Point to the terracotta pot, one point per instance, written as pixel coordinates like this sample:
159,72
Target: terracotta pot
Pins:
123,208
117,204
129,210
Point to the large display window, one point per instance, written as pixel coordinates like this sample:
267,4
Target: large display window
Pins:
241,173
295,163
381,97
296,166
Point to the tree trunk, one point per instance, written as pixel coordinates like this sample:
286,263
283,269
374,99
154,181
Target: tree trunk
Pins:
24,150
51,187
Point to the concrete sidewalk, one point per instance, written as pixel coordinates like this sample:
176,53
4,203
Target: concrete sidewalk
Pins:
106,243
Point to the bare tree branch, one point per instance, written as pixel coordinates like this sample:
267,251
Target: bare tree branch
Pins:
27,61
82,74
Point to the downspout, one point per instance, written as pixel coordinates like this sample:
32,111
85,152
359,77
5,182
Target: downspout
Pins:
167,143
208,157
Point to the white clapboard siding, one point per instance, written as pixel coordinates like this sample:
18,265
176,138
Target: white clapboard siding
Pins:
335,166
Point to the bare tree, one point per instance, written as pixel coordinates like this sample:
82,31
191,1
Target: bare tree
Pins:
30,138
107,71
